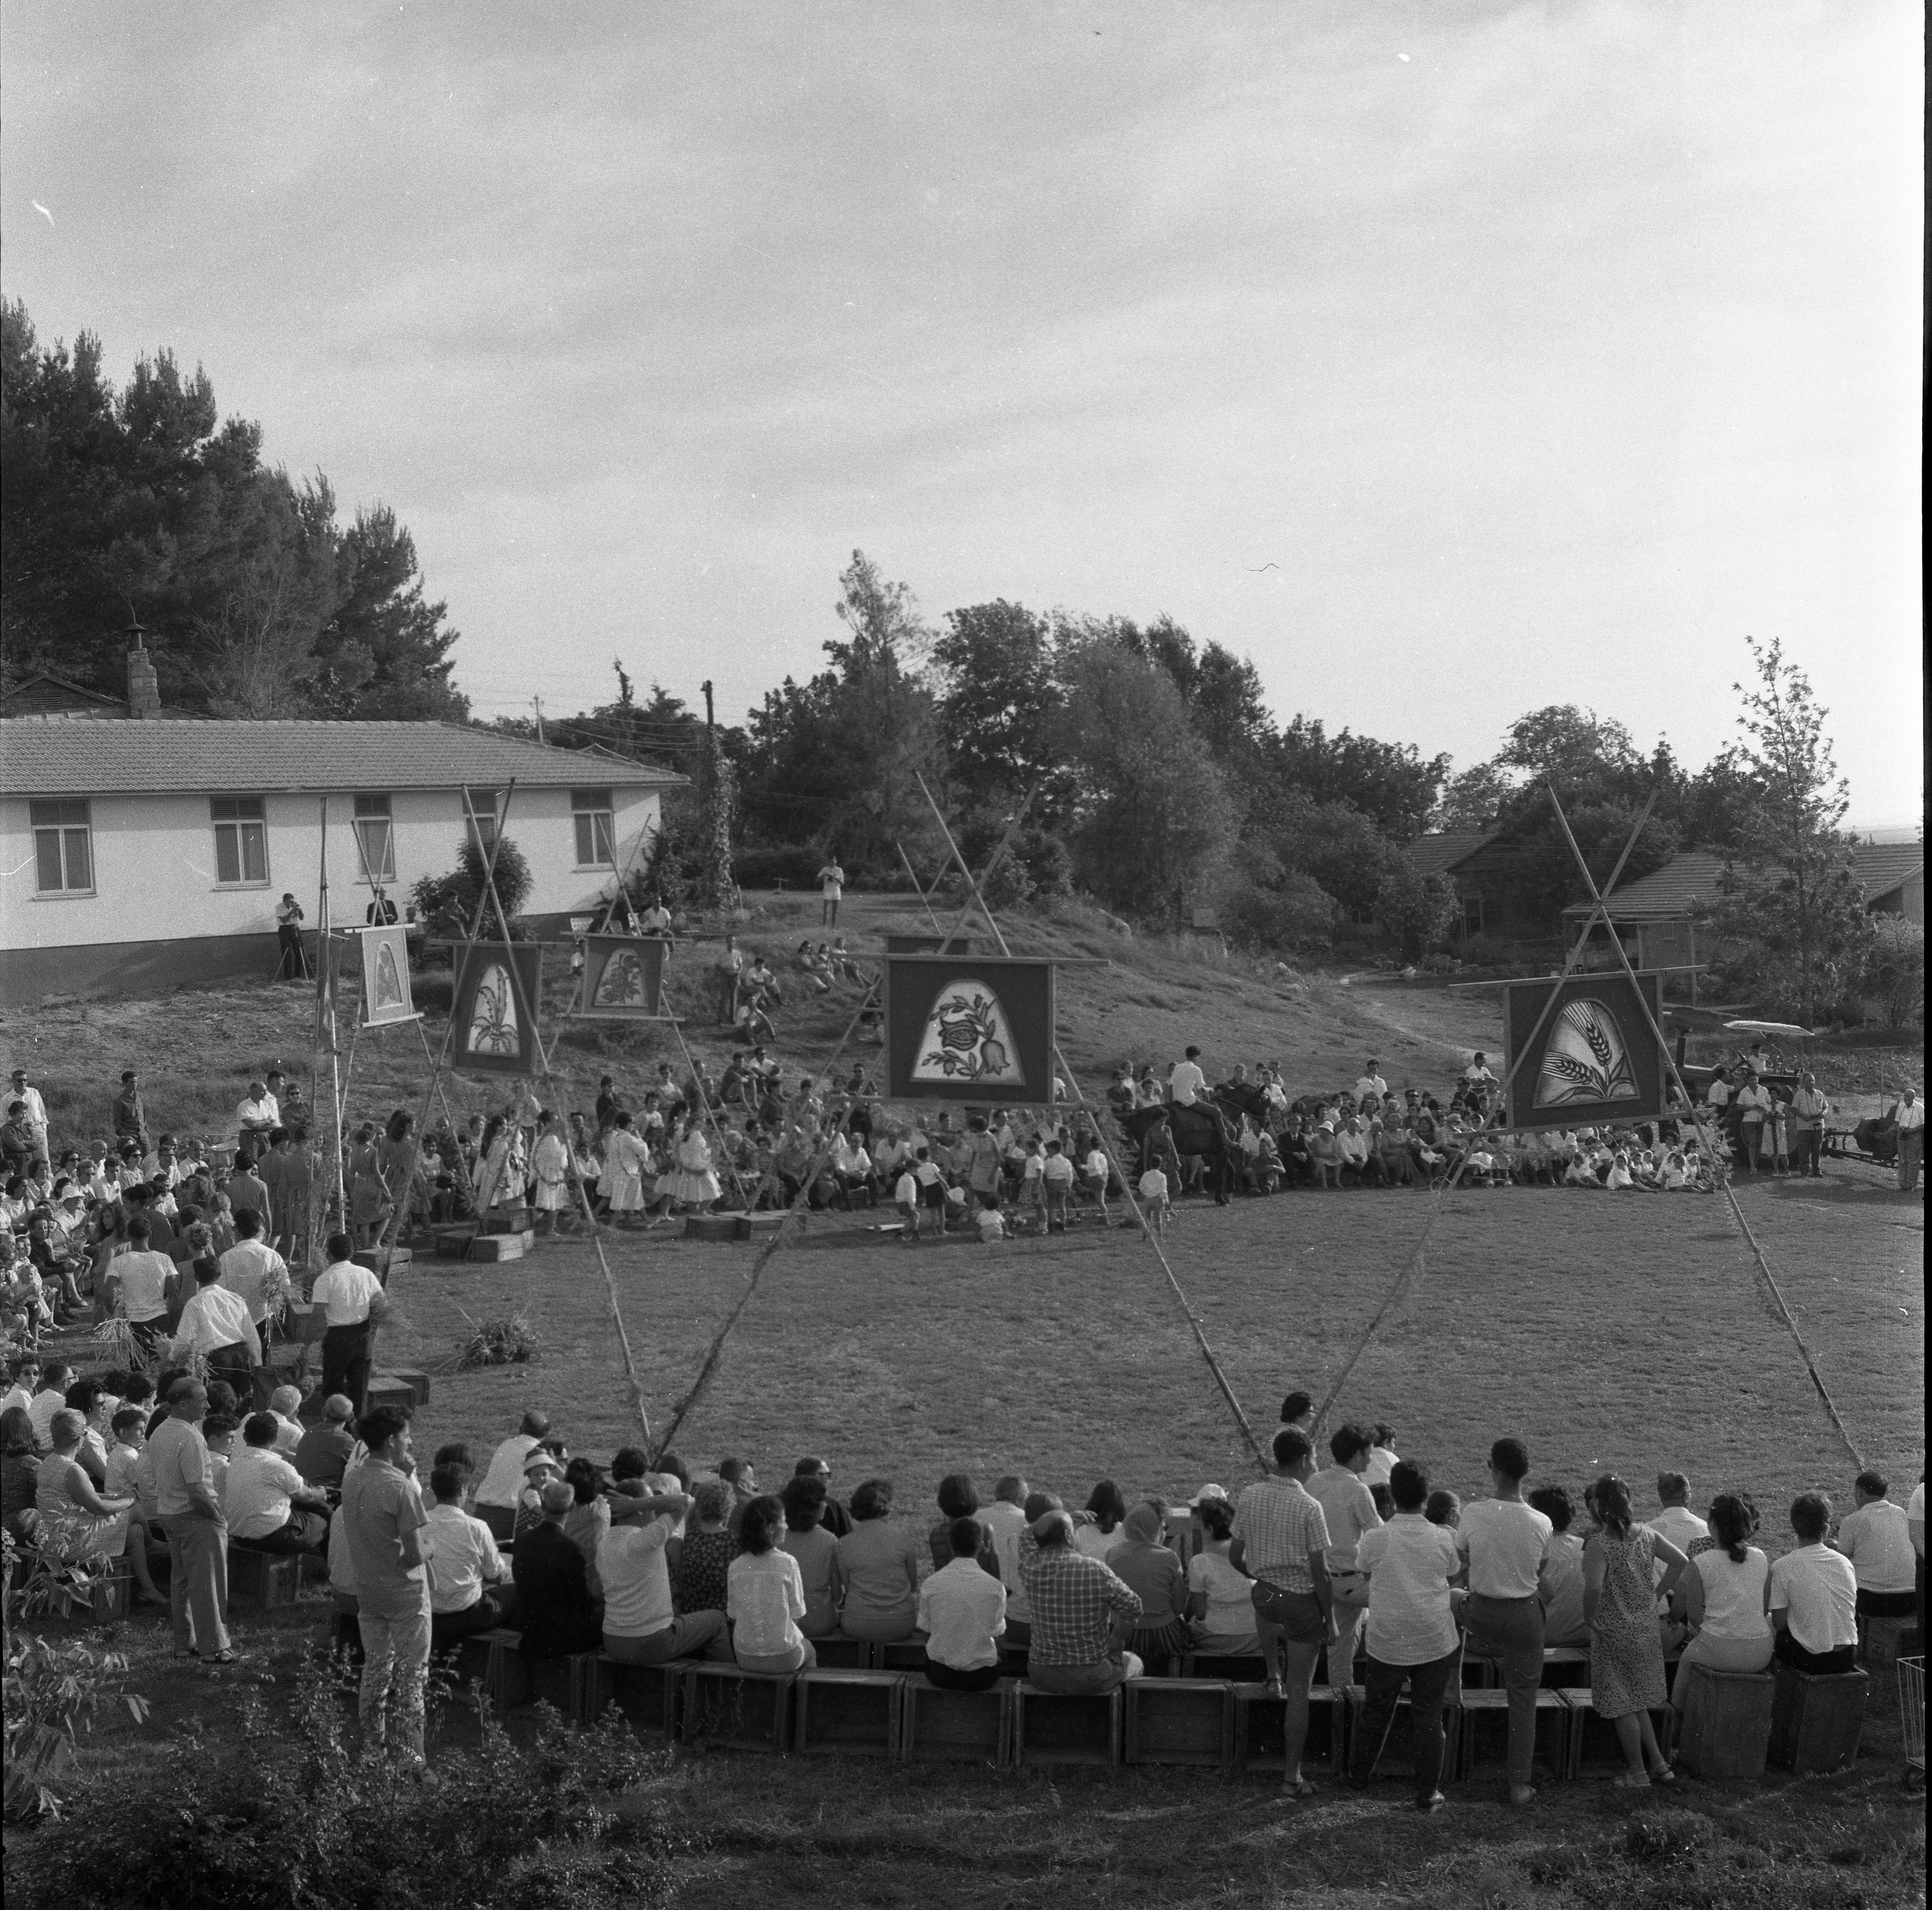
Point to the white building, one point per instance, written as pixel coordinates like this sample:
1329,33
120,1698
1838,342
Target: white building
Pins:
143,851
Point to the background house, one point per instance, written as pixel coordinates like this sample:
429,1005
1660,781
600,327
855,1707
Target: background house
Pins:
139,852
1662,918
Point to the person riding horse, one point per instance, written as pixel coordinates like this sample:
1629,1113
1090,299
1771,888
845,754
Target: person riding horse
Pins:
1204,1129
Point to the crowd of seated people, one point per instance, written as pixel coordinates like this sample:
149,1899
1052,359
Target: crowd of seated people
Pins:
1347,1553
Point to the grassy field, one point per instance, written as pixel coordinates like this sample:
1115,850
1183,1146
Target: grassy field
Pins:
1633,1333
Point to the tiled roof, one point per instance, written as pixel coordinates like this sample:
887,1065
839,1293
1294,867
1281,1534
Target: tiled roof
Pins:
52,756
1437,855
1687,884
1883,866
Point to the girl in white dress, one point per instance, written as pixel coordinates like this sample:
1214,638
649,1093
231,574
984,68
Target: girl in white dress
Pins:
627,1182
551,1159
692,1181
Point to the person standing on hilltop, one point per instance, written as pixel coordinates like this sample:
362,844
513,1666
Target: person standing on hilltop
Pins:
131,1117
831,880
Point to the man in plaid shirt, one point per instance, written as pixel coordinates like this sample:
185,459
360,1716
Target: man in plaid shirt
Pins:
1280,1536
1082,1610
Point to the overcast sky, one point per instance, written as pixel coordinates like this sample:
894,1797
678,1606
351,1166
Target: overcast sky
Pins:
1447,359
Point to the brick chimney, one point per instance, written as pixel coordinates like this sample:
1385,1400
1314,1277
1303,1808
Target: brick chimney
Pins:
144,687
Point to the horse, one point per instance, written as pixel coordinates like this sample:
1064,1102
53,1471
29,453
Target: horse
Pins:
1202,1129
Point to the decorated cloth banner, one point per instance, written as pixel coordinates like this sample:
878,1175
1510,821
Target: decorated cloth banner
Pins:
969,1028
496,1019
385,977
1596,1060
623,979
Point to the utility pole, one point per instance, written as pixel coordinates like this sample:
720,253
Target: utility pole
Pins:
537,702
710,721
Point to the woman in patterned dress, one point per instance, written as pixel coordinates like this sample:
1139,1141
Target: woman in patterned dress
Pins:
1620,1595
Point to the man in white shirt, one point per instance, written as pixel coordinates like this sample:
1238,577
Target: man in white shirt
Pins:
1478,1072
1910,1115
641,1626
1754,1104
1814,1597
1506,1541
141,1276
1412,1638
1186,1080
262,1493
962,1610
1676,1522
55,1381
215,1324
353,1297
1718,1094
252,1269
1349,1507
470,1589
34,1115
1877,1537
1369,1081
256,1112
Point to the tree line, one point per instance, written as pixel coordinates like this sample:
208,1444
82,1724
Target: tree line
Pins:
1135,765
1146,772
142,506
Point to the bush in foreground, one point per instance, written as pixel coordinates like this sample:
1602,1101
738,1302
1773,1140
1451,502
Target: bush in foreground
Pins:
298,1822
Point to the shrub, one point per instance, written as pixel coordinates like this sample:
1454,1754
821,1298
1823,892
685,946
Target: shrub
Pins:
1894,976
1417,910
448,903
312,1825
1294,913
508,1341
53,1693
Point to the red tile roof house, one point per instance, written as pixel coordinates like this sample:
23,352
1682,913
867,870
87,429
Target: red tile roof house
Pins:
141,852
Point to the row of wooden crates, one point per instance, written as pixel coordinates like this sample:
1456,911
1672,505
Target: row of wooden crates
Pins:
1732,1722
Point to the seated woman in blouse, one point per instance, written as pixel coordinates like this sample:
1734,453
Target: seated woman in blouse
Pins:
764,1597
1220,1602
1724,1590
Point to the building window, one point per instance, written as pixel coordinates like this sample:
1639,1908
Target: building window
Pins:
486,805
596,840
1472,915
375,839
241,839
63,848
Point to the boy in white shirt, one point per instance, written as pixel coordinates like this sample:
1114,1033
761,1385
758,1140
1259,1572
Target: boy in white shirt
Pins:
1057,1174
1094,1178
1877,1537
1813,1598
1153,1198
905,1198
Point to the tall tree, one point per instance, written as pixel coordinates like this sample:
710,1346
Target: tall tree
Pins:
385,651
1000,709
144,503
1393,784
1792,887
1157,824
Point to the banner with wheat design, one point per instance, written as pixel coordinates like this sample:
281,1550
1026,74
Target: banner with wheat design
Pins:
1594,1059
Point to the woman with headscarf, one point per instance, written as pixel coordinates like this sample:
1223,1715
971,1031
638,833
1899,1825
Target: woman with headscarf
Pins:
1153,1572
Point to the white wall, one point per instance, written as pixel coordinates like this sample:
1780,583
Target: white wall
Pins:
154,865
